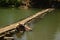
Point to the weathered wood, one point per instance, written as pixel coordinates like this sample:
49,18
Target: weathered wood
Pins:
34,16
23,22
8,38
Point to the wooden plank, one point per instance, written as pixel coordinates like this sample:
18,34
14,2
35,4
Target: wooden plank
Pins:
8,38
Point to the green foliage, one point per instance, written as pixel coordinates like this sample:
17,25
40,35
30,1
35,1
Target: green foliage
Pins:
9,3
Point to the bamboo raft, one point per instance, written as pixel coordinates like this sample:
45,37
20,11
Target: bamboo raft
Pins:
13,27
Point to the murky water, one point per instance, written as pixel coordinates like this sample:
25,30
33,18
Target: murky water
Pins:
47,28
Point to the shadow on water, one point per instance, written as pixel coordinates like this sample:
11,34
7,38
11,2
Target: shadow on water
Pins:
19,36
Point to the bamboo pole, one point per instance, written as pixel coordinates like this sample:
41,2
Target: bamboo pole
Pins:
23,22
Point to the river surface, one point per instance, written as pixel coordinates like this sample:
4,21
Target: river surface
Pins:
47,28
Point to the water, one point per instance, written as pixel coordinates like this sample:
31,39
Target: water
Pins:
47,28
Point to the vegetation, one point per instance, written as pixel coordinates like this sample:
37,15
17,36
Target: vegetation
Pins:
10,3
29,3
45,3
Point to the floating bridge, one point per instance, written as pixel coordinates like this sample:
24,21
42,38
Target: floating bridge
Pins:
21,25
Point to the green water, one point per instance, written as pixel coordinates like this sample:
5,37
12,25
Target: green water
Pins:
11,15
47,28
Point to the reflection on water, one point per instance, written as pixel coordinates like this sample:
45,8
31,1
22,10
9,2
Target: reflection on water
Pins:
47,28
24,37
57,35
20,37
